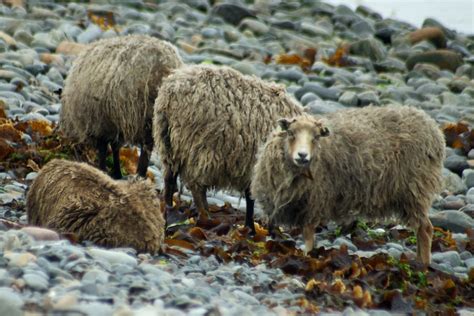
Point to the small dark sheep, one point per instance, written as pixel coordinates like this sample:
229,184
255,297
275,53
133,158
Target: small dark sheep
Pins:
208,125
372,163
109,94
73,197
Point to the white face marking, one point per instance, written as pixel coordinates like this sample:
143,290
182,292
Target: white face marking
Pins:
302,147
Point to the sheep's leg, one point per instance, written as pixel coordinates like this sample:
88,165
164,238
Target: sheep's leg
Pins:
116,172
424,235
101,146
144,160
170,186
249,212
308,236
271,228
200,201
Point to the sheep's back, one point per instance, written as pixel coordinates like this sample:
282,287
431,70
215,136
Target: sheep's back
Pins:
380,161
63,185
77,198
216,120
110,89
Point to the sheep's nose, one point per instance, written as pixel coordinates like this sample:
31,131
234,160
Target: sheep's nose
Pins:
302,155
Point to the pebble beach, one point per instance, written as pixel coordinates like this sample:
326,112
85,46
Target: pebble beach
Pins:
329,57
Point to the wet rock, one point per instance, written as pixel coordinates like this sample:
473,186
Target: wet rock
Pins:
11,303
369,47
434,35
468,177
256,26
349,98
40,233
92,33
431,88
232,13
363,28
469,263
36,281
111,256
318,29
70,48
454,221
444,59
367,98
430,22
344,241
290,74
456,163
390,65
323,92
450,257
308,97
323,107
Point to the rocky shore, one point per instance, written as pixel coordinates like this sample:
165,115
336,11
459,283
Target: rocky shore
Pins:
330,58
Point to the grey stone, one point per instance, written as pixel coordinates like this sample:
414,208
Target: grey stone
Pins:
315,29
256,26
232,13
290,74
92,33
95,276
468,178
325,93
450,257
368,97
308,97
323,107
470,196
369,47
363,27
456,163
36,281
210,32
94,308
11,302
454,221
446,268
31,176
465,255
431,88
349,98
469,263
111,256
344,241
136,28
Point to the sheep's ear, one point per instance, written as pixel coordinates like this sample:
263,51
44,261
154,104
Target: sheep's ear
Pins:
325,131
284,123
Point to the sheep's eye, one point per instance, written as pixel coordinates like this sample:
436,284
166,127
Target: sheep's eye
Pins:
291,134
315,138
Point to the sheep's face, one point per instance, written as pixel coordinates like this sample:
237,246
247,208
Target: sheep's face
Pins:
302,138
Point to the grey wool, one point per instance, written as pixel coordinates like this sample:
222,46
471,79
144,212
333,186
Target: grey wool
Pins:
109,94
374,163
73,197
208,125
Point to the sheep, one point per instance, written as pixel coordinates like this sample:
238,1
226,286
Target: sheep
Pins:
372,163
208,125
109,94
74,197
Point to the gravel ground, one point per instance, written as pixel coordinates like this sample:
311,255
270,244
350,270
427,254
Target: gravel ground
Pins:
39,40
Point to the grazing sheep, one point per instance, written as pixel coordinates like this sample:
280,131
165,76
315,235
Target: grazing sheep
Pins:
372,163
73,197
208,125
109,94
